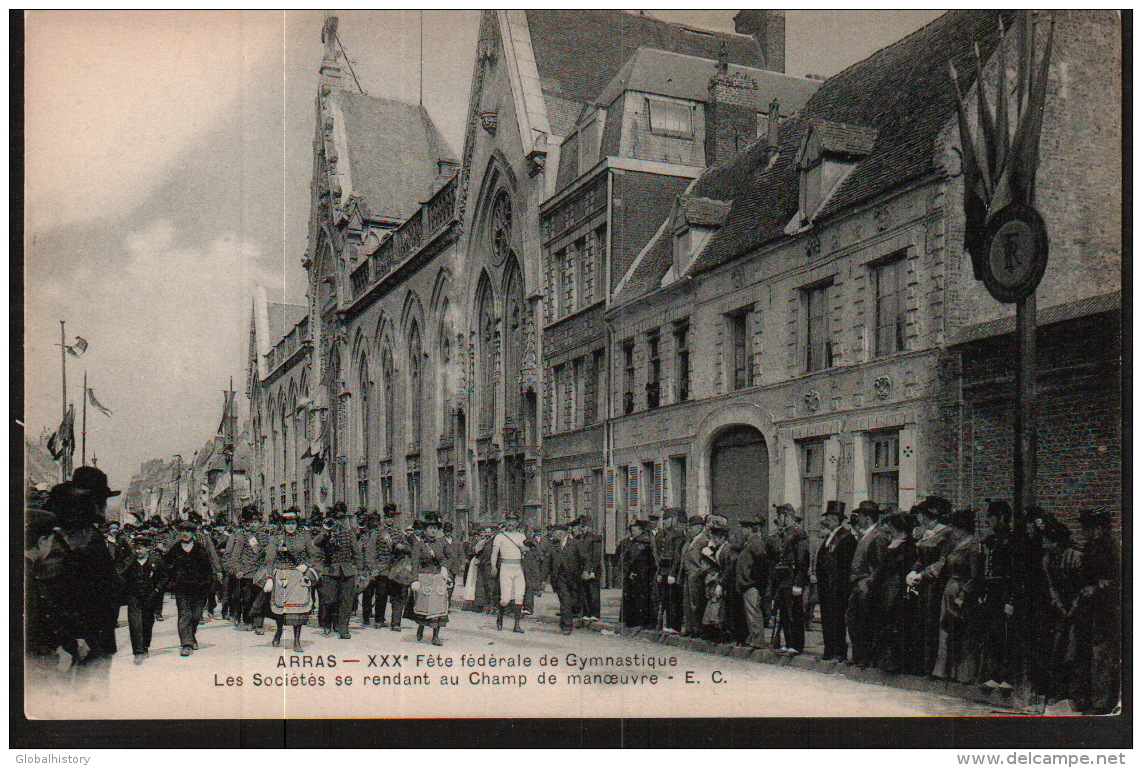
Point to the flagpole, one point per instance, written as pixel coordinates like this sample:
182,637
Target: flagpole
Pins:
63,367
83,439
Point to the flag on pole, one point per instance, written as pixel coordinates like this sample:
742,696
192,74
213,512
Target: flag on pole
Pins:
91,398
78,348
62,443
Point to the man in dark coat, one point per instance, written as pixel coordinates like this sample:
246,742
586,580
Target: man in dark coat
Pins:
368,539
1096,611
141,575
666,546
187,574
834,561
636,565
790,579
342,568
565,564
868,558
591,545
79,575
692,567
390,557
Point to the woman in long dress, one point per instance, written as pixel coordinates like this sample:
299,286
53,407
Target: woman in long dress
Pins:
431,555
291,557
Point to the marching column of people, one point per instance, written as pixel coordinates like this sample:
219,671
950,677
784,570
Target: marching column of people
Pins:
921,592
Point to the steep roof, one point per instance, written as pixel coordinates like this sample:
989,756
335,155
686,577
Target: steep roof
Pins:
574,67
394,149
282,318
668,73
903,93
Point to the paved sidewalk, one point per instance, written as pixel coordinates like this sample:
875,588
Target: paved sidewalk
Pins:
547,608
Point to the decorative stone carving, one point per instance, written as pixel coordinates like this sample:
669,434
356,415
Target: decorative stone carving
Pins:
813,246
882,217
882,386
812,401
738,276
906,450
489,120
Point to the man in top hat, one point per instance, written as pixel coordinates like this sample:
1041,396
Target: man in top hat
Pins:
565,564
790,579
533,558
834,562
188,575
508,548
342,567
666,550
868,558
394,560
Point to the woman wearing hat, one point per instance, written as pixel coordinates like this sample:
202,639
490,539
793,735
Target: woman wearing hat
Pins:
958,655
927,578
430,557
291,558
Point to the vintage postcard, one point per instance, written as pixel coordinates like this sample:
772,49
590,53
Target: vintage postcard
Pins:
573,364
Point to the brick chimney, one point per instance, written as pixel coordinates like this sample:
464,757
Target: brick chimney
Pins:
769,29
731,114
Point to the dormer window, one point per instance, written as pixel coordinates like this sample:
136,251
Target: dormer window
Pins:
829,153
671,118
696,221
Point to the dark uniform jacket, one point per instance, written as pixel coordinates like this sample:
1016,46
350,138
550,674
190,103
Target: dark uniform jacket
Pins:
666,546
792,566
692,560
341,552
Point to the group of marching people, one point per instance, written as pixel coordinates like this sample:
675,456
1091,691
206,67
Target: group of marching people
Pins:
1019,604
508,567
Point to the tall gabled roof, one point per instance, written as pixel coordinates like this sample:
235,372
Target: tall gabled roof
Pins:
668,73
394,149
574,66
902,92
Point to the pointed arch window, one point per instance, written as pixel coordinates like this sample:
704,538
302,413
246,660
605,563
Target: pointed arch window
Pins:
364,386
415,387
513,343
486,319
447,376
501,226
389,401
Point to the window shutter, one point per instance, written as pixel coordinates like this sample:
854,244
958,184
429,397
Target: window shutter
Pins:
632,486
657,485
609,489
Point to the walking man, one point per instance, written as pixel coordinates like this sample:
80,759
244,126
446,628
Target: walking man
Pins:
343,566
508,548
140,574
187,574
565,565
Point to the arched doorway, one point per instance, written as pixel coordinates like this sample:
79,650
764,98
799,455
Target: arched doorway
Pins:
739,473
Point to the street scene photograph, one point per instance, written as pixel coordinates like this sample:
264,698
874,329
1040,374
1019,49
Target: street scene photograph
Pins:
574,364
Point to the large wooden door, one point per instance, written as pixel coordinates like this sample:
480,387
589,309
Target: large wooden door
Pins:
739,473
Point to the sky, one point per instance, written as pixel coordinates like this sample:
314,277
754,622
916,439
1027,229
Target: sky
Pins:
168,160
